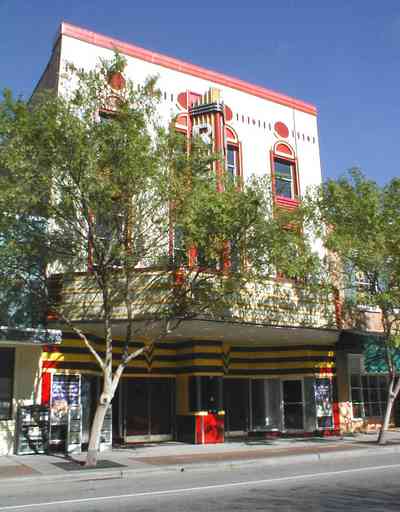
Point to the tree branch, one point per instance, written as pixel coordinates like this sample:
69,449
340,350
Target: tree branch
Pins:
84,339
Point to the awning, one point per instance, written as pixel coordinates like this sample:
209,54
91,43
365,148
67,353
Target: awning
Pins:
372,346
29,336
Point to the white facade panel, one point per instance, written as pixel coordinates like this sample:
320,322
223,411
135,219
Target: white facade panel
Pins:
253,117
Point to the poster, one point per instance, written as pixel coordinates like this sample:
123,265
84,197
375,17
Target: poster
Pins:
65,391
323,397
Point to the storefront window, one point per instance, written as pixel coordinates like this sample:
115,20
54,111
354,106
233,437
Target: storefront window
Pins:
205,394
258,404
293,404
374,394
368,392
148,406
266,404
7,357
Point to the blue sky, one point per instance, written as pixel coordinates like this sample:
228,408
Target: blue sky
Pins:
343,56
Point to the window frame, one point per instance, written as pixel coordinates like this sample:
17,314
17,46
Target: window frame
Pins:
232,142
381,394
195,255
205,393
235,173
365,389
229,263
176,236
105,114
96,227
287,157
179,254
278,176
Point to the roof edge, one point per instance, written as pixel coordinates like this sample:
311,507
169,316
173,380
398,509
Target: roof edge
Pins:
131,50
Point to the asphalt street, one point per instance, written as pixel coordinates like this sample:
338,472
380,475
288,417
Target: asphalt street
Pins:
351,484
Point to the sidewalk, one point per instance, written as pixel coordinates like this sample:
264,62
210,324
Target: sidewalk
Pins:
172,456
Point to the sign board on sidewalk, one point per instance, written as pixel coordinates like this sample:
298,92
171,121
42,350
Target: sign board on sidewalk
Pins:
32,429
74,431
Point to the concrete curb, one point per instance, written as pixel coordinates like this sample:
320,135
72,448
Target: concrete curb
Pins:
126,473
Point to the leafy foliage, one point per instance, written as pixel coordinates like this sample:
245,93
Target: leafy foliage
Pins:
364,221
96,194
360,224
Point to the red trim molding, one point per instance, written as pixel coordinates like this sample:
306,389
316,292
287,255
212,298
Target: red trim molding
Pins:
46,388
184,67
285,202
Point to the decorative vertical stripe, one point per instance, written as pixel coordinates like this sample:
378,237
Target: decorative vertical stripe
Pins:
46,387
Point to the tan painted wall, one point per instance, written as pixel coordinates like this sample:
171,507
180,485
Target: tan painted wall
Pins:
342,374
26,390
182,394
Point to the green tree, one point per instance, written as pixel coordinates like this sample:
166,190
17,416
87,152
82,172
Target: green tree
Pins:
20,301
112,203
360,224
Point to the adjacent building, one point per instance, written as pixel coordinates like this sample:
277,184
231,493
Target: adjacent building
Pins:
21,352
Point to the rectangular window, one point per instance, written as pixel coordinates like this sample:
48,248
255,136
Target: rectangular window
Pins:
356,369
266,404
110,233
232,162
368,392
234,254
357,396
180,253
7,358
374,394
204,260
205,394
284,183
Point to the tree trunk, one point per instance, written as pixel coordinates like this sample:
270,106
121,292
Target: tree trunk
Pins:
107,393
393,391
95,432
385,425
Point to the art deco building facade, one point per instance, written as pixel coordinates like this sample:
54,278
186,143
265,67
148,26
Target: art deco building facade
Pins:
210,380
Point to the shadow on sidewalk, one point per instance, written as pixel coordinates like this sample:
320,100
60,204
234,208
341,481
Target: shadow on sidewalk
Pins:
77,465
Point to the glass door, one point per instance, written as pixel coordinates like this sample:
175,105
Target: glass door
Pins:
266,405
161,407
293,404
148,409
236,404
136,403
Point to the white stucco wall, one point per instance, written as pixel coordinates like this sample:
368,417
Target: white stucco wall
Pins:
256,140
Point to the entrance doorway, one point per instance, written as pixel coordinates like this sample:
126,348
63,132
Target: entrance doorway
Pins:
293,404
236,403
148,409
